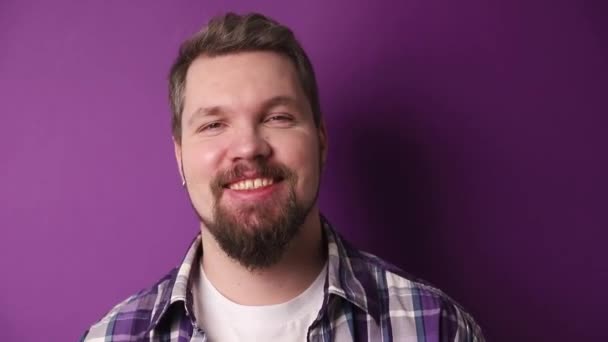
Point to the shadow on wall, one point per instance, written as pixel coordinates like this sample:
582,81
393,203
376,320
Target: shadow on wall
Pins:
399,171
395,185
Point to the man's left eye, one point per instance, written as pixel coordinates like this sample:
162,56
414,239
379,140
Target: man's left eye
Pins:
278,118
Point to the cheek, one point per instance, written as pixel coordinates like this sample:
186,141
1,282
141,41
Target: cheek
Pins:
201,162
300,154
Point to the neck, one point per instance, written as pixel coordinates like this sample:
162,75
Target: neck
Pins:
295,271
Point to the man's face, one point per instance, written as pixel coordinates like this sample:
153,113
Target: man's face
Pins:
251,154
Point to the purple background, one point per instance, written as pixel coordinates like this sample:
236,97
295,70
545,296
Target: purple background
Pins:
467,145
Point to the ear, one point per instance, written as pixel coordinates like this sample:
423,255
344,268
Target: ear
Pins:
177,146
323,142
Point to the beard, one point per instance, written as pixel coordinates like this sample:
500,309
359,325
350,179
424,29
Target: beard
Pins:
257,235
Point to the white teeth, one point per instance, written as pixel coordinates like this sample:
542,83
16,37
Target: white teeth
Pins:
250,184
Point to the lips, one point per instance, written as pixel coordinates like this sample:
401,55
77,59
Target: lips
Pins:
251,178
251,183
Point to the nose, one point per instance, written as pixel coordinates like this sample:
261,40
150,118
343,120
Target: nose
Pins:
249,144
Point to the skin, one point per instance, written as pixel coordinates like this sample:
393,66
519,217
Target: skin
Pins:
239,108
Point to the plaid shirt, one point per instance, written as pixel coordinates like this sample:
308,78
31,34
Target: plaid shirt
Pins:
365,299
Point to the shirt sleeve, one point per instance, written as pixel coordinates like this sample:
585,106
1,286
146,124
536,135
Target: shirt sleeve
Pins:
467,330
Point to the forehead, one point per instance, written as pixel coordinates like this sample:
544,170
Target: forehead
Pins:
239,81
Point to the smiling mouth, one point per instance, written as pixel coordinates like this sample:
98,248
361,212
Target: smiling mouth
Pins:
252,183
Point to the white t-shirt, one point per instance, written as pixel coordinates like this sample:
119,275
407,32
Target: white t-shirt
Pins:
225,321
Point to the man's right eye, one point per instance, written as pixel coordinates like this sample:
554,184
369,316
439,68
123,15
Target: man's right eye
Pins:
210,126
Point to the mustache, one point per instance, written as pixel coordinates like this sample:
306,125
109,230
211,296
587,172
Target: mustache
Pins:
261,169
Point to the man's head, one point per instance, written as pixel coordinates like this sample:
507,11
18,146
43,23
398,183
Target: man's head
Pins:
249,139
232,33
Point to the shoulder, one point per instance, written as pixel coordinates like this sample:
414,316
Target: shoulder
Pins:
133,316
407,296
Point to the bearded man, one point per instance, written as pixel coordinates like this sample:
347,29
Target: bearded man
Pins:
250,145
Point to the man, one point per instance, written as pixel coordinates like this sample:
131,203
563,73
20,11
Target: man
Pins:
250,146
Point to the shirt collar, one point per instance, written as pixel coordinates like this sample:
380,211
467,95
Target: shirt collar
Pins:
349,276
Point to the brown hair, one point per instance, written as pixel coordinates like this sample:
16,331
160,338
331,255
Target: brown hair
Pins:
233,33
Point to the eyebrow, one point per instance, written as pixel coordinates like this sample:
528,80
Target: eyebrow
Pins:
281,100
203,112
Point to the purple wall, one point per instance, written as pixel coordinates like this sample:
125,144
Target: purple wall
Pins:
467,145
